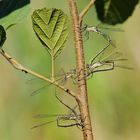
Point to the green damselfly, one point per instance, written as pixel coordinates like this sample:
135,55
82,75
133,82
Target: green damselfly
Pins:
105,60
59,118
99,30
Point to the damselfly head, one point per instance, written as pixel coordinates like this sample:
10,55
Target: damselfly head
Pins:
88,66
84,26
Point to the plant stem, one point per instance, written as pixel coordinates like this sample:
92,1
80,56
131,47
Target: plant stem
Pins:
18,66
81,96
86,9
52,69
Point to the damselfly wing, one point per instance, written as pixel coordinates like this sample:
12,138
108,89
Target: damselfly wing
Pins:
59,79
107,27
59,121
99,30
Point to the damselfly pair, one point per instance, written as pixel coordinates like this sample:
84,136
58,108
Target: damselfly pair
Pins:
72,117
106,59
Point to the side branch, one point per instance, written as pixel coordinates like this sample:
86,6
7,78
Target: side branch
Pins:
18,66
86,9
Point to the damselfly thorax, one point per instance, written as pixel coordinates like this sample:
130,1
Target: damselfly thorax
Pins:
92,68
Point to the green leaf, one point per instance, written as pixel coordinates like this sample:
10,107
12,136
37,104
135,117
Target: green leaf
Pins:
114,11
51,27
2,36
15,17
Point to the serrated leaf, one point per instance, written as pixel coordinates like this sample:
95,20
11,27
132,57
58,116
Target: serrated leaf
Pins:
114,11
51,27
14,17
2,36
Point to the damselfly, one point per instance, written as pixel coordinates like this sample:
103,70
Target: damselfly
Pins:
98,29
60,79
105,60
72,116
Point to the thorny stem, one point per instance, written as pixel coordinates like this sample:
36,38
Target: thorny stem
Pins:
86,9
18,66
81,96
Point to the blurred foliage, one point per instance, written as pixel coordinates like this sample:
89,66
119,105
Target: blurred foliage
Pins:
114,96
113,12
12,12
2,36
8,6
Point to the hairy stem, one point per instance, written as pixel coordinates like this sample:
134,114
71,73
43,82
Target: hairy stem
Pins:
81,96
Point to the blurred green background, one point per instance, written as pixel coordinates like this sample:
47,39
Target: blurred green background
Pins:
114,96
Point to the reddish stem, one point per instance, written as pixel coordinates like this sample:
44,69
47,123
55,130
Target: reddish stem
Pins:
81,96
